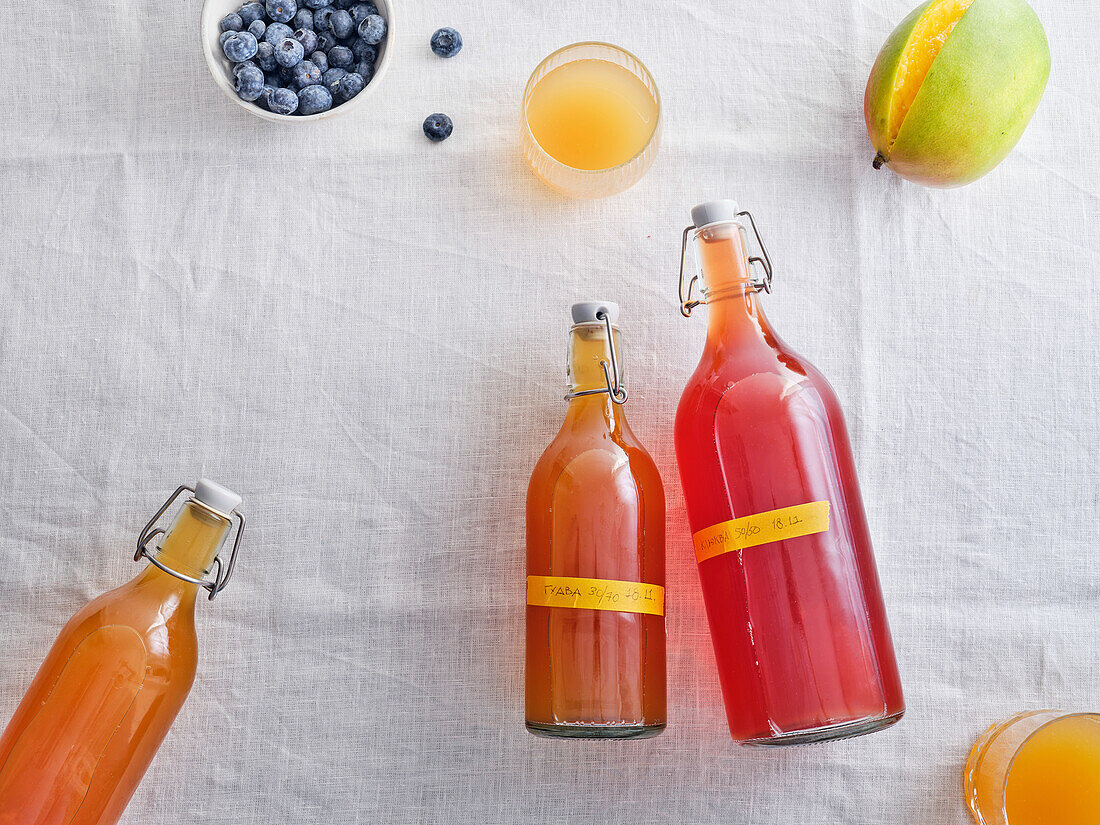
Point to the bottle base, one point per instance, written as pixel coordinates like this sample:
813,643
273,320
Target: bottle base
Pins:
828,733
594,731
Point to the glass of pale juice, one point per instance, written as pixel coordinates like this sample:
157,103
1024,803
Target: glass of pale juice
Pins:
591,120
1036,768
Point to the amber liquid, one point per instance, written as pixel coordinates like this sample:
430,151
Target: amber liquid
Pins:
108,691
595,509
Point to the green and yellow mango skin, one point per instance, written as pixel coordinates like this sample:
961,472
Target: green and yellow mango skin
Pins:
976,100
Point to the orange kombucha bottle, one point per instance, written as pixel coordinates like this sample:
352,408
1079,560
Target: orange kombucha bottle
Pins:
595,558
109,689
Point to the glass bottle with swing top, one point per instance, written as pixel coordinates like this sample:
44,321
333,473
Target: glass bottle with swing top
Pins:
108,691
784,553
595,558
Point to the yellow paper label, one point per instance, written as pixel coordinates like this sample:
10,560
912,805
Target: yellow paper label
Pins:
596,594
762,528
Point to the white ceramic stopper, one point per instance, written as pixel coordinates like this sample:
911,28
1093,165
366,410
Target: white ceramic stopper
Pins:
216,497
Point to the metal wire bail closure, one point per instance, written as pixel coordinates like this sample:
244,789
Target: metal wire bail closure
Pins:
614,386
764,284
221,576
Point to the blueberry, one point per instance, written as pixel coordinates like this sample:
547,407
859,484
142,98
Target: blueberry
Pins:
438,127
306,73
365,70
282,101
265,56
277,32
231,22
341,24
342,4
289,53
250,13
282,11
361,11
331,79
317,4
373,29
308,39
225,36
272,79
446,42
325,41
341,57
240,46
238,66
249,82
320,60
321,19
303,19
364,50
350,85
314,99
257,28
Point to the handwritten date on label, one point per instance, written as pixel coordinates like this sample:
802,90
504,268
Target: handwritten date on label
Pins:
762,528
596,594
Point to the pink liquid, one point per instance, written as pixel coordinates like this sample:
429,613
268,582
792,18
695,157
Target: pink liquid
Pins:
799,626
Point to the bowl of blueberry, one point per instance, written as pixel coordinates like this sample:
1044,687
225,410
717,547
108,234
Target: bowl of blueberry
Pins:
297,60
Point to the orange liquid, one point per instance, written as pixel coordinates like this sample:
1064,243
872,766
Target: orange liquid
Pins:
595,509
108,691
1055,779
592,114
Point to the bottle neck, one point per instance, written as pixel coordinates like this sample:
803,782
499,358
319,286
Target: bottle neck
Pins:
588,352
192,543
735,318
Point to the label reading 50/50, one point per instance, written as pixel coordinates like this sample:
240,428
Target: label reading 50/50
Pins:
596,594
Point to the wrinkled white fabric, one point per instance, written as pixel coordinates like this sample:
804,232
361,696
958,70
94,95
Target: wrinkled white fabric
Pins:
364,334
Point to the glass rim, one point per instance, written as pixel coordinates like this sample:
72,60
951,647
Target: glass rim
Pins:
1026,740
527,89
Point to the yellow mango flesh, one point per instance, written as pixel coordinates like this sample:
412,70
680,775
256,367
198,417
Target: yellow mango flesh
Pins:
924,44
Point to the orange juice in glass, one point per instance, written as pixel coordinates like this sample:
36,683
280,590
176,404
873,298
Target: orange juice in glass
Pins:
591,120
1036,768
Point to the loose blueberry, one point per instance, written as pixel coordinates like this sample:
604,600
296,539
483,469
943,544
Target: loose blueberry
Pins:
446,42
331,79
342,4
283,101
289,53
341,24
306,73
361,11
321,19
257,28
225,36
246,64
241,46
350,85
282,11
249,82
341,57
314,99
364,50
365,70
438,127
232,22
265,57
278,32
320,60
250,13
308,39
373,29
318,4
303,19
325,41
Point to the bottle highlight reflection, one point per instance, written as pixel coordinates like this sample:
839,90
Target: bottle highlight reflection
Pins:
595,560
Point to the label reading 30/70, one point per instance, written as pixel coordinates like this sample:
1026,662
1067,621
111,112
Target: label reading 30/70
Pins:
596,594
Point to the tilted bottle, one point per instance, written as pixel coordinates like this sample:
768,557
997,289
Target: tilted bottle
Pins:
784,555
106,694
595,558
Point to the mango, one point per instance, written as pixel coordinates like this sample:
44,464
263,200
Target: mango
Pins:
954,87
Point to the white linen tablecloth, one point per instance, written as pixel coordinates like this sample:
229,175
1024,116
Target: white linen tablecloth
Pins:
364,334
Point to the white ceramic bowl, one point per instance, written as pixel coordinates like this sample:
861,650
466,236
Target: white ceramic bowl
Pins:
221,69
